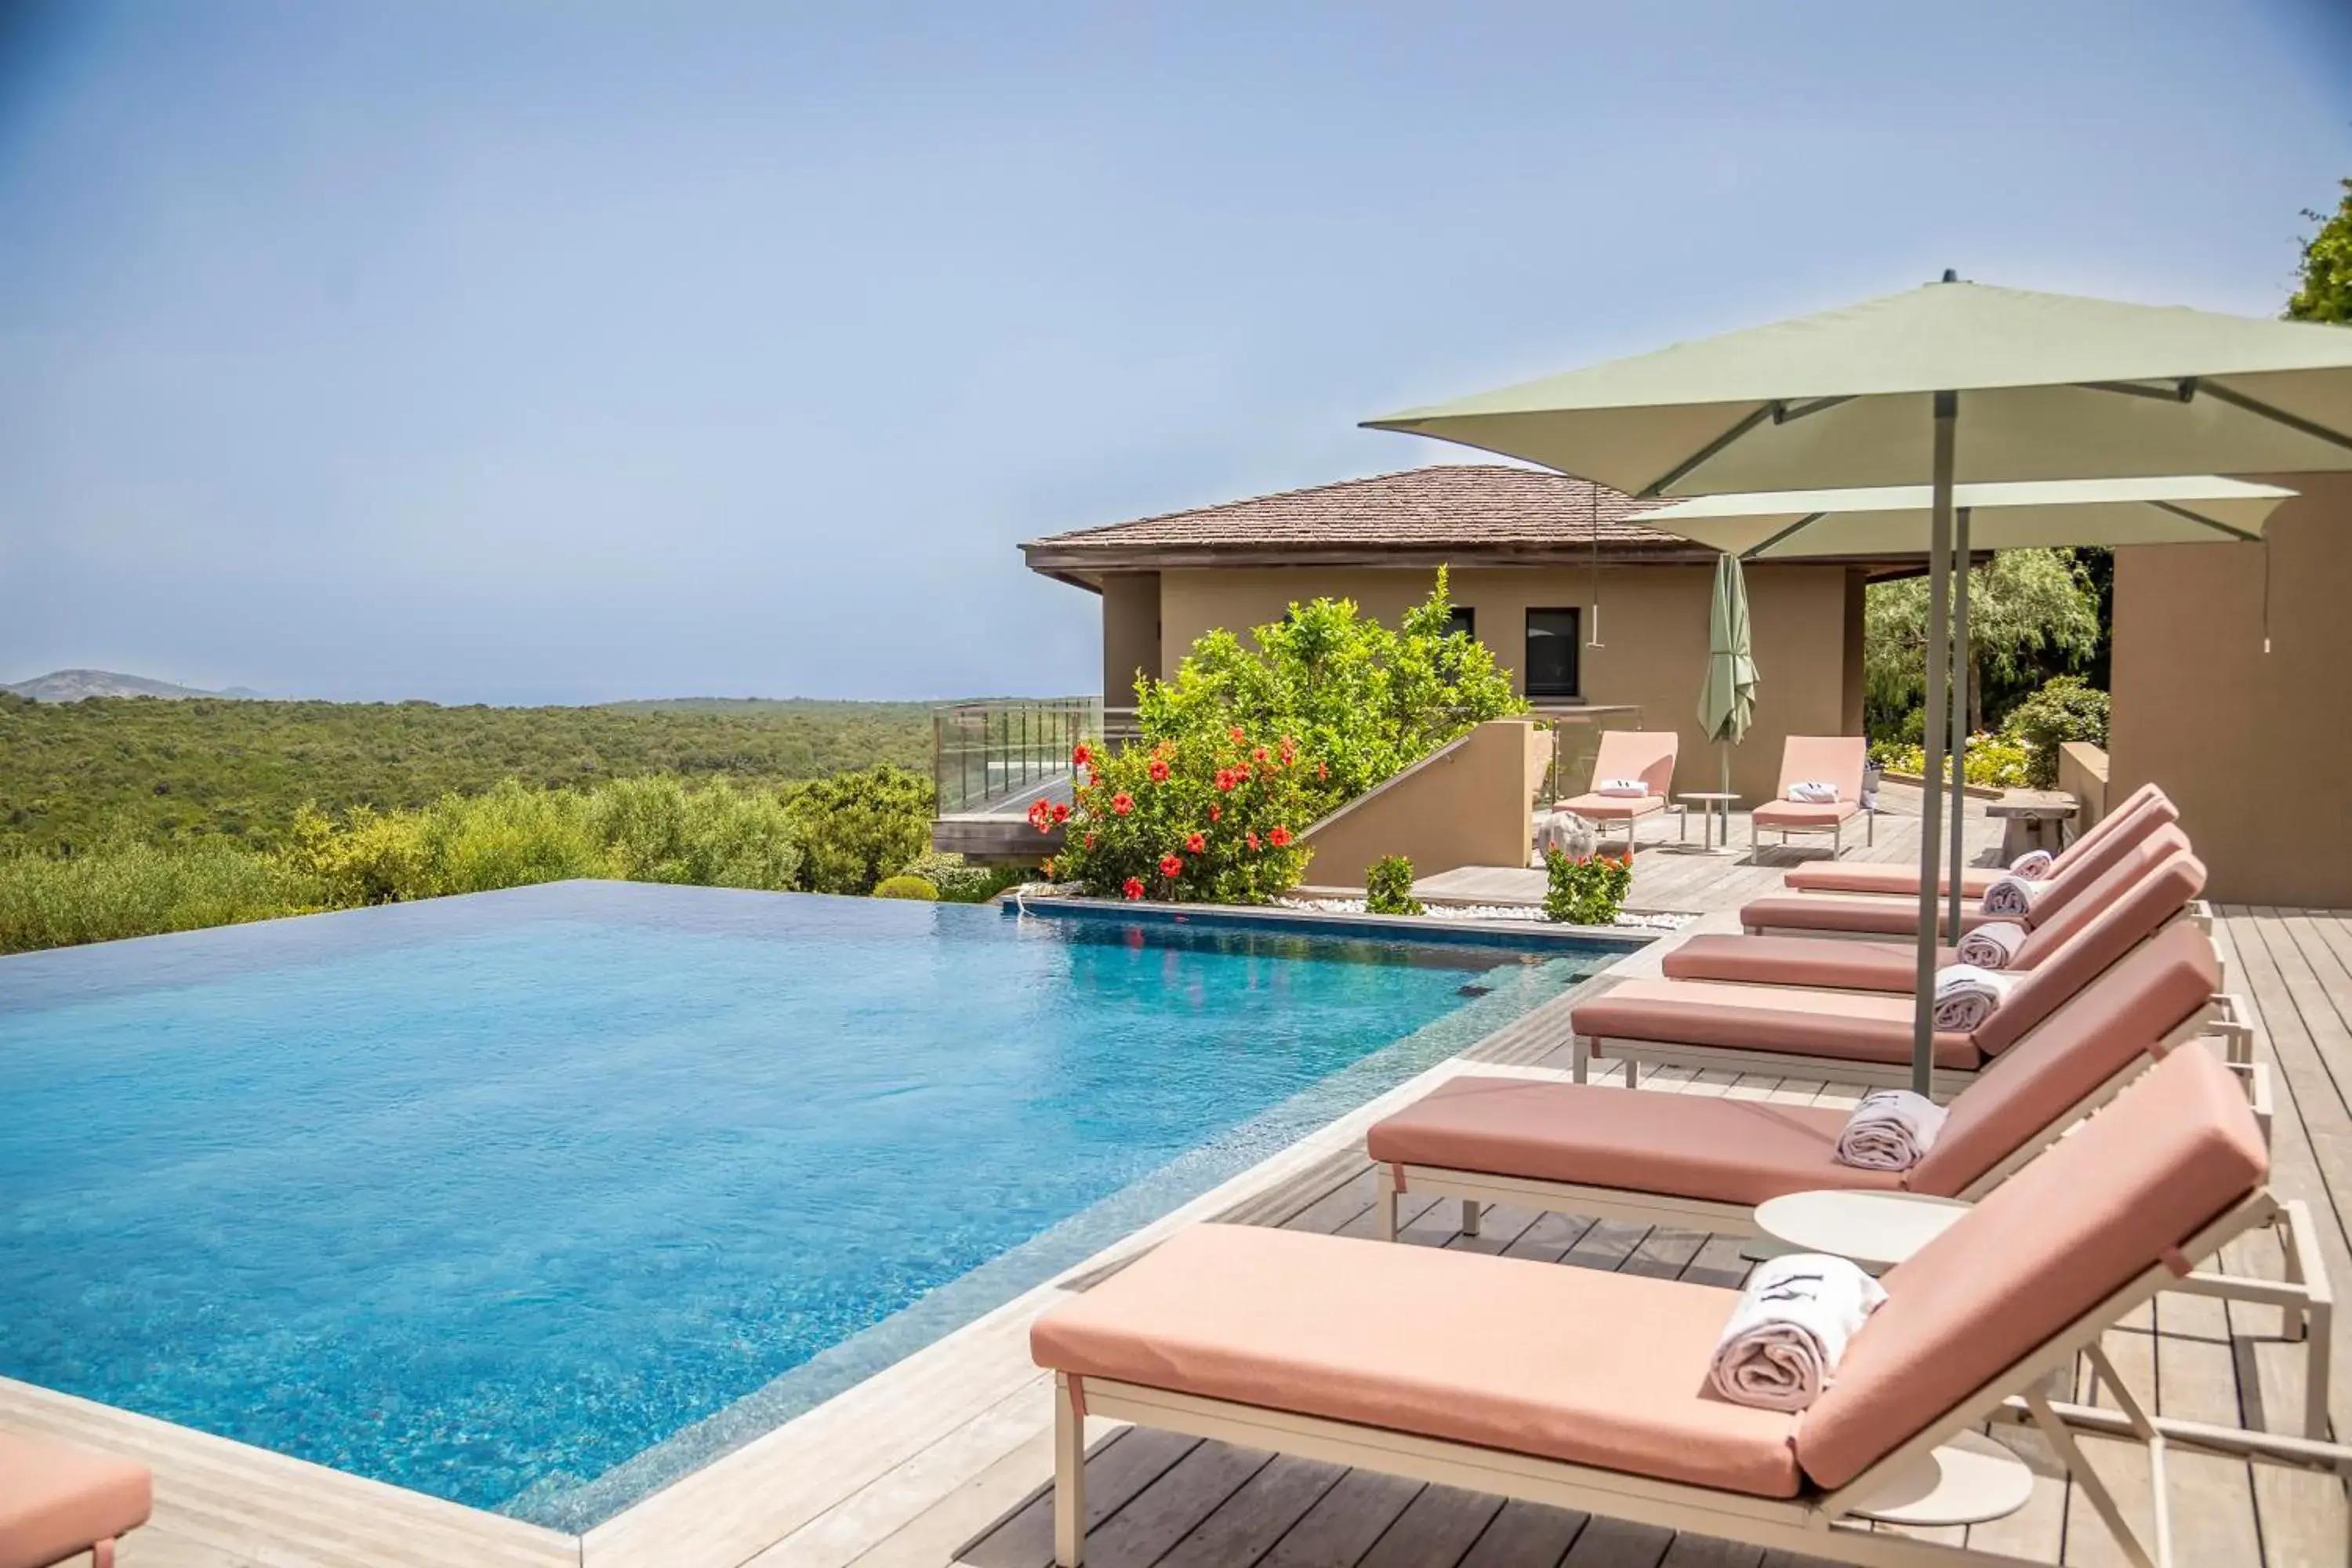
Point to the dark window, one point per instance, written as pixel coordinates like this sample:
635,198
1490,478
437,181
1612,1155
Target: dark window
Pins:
1464,620
1552,639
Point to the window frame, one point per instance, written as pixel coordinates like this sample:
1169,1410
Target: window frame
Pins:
1575,690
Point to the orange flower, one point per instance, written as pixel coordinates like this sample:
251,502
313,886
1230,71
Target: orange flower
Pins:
1090,840
1253,840
1260,755
1196,843
1236,733
1322,769
1215,811
1169,865
1278,837
1122,803
1132,887
1158,770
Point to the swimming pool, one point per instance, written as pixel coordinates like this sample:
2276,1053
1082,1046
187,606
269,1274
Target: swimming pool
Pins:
535,1200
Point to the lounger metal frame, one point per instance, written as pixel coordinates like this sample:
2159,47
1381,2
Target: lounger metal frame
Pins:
1836,830
1831,1525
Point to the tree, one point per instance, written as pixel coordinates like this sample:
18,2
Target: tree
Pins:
856,828
2326,291
2026,608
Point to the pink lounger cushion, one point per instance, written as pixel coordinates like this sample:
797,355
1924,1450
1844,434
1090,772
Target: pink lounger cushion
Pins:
1840,876
1845,913
1801,814
1747,1151
2174,1152
58,1500
1722,1150
1608,1370
1846,1026
1831,964
1606,807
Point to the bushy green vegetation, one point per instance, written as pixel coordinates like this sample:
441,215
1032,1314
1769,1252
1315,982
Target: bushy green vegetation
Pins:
2032,613
836,835
1361,702
78,774
902,887
2023,754
1387,887
1585,889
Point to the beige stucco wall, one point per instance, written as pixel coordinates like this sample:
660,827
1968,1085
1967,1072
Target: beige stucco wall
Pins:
1468,804
2083,773
1130,610
2255,748
1653,627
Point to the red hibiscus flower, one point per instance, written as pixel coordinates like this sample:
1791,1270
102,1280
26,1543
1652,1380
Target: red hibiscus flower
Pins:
1289,751
1041,817
1322,769
1169,865
1195,843
1158,770
1080,755
1215,811
1046,865
1236,733
1259,756
1090,840
1225,779
1122,803
1061,812
1132,887
1278,837
1253,840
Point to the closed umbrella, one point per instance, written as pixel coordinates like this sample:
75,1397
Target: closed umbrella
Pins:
1782,525
1727,701
2052,387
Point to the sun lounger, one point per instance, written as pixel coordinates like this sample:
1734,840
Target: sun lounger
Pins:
1586,1389
58,1502
1644,754
1837,963
1837,877
1866,916
1829,759
1705,1162
1853,1037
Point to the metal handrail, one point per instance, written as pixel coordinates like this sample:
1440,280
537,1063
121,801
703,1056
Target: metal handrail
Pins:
991,755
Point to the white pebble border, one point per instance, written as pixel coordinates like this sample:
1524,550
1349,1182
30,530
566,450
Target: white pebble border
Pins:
1529,913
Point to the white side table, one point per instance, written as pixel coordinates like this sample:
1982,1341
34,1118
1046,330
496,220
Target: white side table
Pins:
1710,804
1877,1230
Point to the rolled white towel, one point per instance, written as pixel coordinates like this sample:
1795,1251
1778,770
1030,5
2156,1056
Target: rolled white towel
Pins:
1966,996
1621,789
1812,791
1993,946
1891,1130
1785,1338
2012,895
2032,864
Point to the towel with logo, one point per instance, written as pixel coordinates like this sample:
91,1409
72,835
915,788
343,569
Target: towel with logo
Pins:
1621,789
2012,897
1785,1338
1812,791
2032,865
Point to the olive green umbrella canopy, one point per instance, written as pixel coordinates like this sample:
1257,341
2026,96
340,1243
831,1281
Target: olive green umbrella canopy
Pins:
1952,383
1896,520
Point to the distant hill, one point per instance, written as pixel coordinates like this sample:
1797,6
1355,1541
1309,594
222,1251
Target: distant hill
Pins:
73,685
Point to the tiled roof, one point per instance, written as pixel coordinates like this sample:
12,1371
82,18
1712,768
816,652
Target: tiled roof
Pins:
1445,506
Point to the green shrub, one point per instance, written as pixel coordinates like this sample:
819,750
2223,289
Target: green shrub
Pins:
856,828
1362,701
1587,891
961,882
139,889
1996,761
1387,887
510,836
1211,815
2065,709
714,836
906,887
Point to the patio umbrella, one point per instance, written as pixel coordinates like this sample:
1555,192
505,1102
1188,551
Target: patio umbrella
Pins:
1899,520
2053,386
1728,700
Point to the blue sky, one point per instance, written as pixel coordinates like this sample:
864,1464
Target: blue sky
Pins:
536,352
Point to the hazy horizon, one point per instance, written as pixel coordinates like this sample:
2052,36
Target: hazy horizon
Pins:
519,354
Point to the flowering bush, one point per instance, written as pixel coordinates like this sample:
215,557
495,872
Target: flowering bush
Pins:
1997,761
1364,701
1587,890
1209,817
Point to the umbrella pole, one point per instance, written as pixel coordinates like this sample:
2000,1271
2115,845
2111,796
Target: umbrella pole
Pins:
1959,678
1931,792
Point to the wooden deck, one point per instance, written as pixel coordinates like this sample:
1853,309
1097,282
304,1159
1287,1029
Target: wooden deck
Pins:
945,1456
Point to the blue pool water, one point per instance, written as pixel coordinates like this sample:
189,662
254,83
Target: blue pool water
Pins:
532,1200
